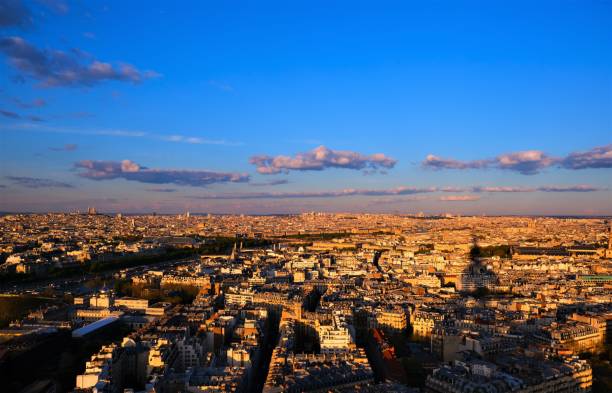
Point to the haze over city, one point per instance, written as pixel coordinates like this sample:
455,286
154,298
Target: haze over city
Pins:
276,107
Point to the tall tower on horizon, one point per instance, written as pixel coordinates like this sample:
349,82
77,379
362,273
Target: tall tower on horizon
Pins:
608,253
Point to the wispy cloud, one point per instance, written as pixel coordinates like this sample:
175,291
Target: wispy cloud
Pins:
321,158
502,189
578,188
129,170
119,133
451,189
36,182
399,191
572,188
277,182
66,147
197,140
166,190
529,162
319,194
54,68
436,162
9,114
17,116
395,200
36,103
459,198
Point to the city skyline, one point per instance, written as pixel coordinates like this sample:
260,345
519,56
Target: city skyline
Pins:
277,108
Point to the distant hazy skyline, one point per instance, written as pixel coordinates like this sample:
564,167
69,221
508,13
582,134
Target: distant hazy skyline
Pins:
470,107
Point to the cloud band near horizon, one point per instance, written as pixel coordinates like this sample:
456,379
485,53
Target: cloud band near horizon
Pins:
529,162
402,191
37,182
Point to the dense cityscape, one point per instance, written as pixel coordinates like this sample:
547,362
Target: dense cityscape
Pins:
314,196
313,302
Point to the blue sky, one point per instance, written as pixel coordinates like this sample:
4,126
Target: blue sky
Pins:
473,84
